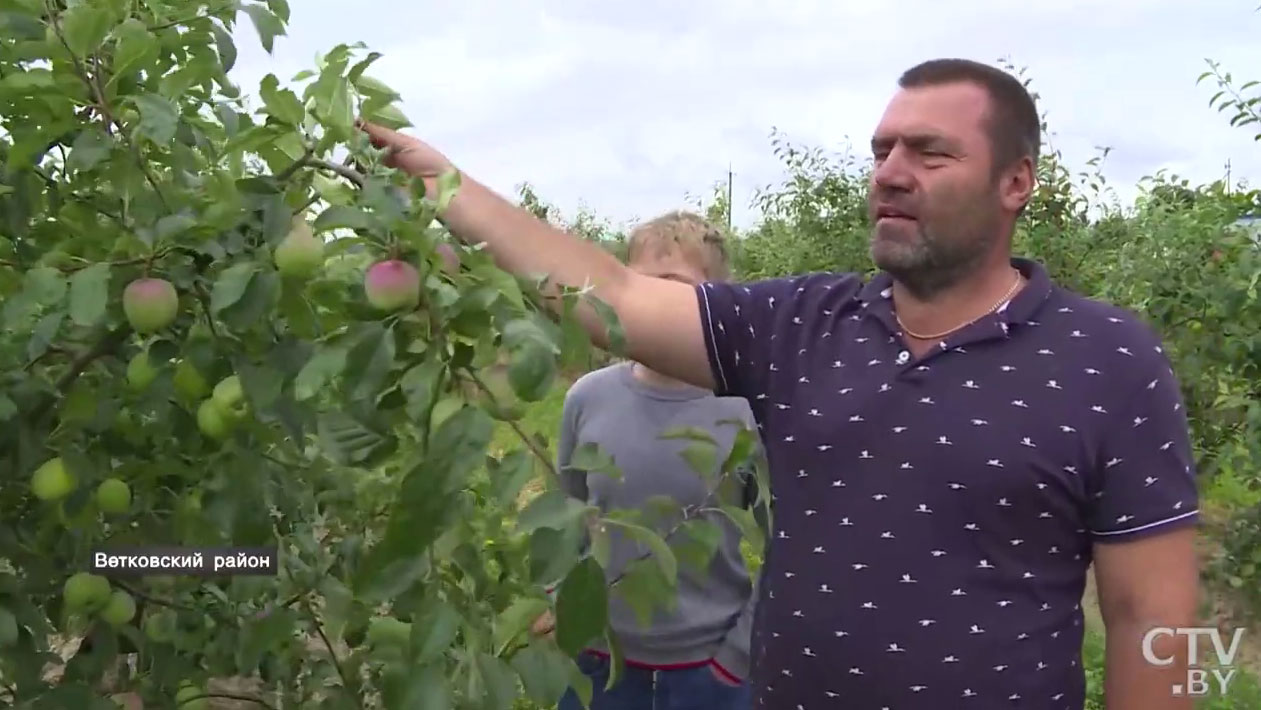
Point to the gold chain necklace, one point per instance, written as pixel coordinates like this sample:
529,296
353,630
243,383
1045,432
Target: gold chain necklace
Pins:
944,333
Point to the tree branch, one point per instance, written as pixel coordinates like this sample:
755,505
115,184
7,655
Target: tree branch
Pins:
525,438
154,600
349,173
341,670
232,696
103,346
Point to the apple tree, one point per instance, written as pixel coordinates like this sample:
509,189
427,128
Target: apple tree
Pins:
225,322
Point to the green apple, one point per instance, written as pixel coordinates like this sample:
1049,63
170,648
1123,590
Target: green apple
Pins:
113,496
140,371
184,697
51,481
150,304
188,382
159,626
211,422
119,609
388,631
300,254
230,398
84,591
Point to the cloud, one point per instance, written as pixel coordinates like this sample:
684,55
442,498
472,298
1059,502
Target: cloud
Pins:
630,107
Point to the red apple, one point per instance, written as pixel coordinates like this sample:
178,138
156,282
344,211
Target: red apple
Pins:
150,304
392,285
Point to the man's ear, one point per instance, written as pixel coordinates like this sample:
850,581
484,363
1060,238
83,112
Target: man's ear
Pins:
1016,185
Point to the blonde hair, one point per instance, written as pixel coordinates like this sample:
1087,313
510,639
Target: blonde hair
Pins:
698,240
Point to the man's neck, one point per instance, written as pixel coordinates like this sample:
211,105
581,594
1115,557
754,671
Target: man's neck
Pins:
956,305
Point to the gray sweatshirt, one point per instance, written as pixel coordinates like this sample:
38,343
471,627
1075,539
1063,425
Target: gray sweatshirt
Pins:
625,417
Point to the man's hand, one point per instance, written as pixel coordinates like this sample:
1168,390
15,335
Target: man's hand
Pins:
407,153
545,625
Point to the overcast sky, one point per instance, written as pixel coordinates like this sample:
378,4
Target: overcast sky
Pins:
627,107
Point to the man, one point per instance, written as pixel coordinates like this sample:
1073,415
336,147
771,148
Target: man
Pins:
951,444
695,655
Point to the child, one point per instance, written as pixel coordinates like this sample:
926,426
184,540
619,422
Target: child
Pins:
695,656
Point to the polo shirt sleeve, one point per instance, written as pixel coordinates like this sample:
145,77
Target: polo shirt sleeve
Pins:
737,321
1144,480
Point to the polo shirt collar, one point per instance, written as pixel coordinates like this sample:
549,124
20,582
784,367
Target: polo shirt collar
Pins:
876,297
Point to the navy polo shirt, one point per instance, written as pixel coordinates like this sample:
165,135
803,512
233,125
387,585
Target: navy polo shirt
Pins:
934,517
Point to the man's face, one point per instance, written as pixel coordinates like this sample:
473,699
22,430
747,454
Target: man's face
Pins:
668,263
934,201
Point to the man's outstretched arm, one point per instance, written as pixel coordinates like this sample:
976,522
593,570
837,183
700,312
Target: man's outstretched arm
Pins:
660,318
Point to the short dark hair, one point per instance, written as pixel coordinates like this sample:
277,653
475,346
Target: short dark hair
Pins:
1014,127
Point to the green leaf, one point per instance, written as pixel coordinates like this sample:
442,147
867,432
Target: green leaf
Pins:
340,113
268,26
369,362
516,619
551,509
661,552
423,503
226,47
342,217
326,364
231,285
420,386
346,440
544,672
375,87
509,474
581,606
262,384
410,688
696,543
45,285
90,147
8,628
499,682
89,294
22,83
645,590
136,47
7,408
159,117
263,636
589,457
747,523
434,630
702,457
282,104
44,334
389,116
85,27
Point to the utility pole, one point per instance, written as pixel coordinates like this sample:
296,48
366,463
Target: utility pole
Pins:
729,205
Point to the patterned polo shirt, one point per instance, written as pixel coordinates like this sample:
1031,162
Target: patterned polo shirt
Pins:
934,517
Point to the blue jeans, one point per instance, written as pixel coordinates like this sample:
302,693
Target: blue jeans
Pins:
684,689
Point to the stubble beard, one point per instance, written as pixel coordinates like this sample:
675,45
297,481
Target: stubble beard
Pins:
931,254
